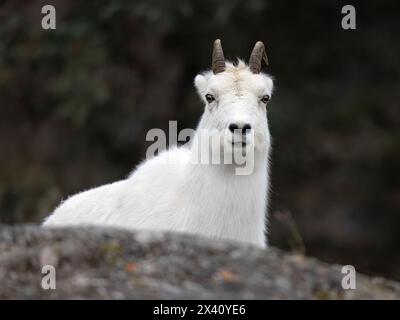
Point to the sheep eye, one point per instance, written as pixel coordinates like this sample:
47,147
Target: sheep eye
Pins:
265,99
210,98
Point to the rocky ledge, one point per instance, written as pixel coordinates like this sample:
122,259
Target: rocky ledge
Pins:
104,263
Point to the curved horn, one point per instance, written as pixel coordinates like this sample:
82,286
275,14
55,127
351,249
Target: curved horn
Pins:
256,56
218,59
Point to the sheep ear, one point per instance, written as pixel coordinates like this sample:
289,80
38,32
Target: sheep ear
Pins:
200,83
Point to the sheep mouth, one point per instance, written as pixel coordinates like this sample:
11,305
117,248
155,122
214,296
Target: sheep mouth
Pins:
238,144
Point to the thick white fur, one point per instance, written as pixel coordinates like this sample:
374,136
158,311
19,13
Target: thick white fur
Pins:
169,192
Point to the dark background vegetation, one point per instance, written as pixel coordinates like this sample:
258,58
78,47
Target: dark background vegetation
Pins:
76,103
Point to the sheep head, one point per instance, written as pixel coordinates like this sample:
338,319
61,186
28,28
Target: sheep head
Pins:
236,97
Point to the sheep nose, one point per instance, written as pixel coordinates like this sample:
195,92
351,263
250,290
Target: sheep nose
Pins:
243,128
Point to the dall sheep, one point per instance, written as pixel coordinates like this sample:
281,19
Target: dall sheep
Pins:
174,192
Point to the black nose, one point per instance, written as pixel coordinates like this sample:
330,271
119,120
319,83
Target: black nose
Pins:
243,128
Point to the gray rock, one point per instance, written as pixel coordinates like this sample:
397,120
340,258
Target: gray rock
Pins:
106,263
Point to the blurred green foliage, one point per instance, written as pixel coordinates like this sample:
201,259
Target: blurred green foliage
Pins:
76,103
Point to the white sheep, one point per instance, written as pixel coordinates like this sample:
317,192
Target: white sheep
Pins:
173,191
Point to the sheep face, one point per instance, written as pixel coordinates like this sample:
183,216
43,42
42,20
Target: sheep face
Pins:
236,103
